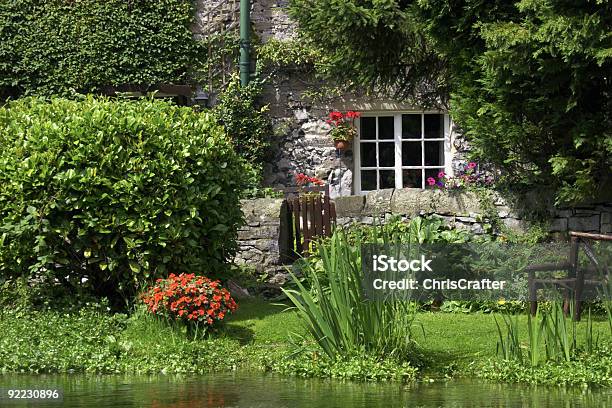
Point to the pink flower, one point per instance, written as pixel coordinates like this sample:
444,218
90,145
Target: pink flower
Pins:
431,181
471,165
441,174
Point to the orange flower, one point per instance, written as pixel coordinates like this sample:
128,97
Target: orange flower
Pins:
189,297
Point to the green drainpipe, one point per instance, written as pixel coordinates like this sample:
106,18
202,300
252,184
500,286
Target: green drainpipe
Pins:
245,41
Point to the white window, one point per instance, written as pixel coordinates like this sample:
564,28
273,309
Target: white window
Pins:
399,150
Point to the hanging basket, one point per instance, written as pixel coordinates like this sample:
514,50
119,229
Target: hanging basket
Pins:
341,144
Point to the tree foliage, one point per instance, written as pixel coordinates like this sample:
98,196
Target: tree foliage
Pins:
529,82
364,44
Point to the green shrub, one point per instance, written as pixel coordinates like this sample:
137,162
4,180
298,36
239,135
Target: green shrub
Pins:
51,47
105,194
246,123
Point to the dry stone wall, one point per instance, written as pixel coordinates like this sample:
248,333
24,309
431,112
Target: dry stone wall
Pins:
463,210
263,240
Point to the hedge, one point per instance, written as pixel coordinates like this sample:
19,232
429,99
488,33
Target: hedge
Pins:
106,195
57,46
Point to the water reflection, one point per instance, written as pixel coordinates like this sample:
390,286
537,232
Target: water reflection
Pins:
243,390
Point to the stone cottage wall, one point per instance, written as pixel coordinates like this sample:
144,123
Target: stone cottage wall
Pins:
301,143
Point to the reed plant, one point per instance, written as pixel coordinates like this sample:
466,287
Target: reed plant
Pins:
606,296
551,336
509,346
336,312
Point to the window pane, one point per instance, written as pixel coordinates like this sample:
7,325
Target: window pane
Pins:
385,127
368,128
434,153
411,154
434,126
433,173
411,126
387,179
368,180
368,154
386,154
411,178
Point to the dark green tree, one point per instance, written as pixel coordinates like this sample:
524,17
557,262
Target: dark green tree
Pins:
528,82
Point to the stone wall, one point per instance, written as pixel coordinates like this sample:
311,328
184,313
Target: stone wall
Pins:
459,209
301,142
263,240
269,18
463,210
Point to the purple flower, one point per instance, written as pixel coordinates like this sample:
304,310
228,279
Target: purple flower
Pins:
431,181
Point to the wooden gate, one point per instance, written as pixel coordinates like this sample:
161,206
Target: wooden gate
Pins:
312,214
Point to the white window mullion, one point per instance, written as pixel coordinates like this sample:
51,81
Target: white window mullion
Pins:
377,159
445,140
448,146
397,126
423,150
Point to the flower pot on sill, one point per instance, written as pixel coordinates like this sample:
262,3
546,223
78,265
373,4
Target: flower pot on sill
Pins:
341,144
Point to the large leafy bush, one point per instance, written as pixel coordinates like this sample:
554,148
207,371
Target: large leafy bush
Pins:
105,194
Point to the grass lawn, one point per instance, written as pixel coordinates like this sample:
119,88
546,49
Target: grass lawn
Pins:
257,336
451,339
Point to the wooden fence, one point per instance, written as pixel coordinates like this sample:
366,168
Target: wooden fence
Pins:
311,214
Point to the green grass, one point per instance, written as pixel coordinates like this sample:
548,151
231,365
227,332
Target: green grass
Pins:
255,337
455,344
259,322
460,339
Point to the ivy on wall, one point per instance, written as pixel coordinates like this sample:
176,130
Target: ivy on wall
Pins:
54,46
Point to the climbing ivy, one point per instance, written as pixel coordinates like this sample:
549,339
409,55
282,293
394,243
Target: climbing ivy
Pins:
56,46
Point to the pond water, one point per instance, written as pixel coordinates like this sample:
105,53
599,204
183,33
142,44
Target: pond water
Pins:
244,390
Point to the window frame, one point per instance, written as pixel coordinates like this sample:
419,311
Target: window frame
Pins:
397,140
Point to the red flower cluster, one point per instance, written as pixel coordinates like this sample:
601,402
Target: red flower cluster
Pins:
189,298
336,118
301,180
